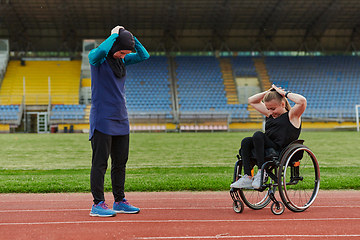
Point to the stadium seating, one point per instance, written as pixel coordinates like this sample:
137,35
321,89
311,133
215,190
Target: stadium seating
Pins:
330,83
68,112
243,66
9,112
201,87
148,87
64,76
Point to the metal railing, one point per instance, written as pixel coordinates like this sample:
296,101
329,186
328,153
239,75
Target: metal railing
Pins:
333,115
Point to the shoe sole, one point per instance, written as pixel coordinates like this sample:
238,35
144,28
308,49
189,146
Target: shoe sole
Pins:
129,212
98,215
249,186
244,188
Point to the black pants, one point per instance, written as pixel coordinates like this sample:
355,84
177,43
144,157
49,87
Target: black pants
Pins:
259,142
118,148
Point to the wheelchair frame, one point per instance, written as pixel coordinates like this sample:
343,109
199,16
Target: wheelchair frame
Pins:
277,167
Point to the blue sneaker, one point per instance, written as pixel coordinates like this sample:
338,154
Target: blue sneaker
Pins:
125,207
102,210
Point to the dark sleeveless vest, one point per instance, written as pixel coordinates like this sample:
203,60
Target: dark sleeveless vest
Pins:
108,112
280,130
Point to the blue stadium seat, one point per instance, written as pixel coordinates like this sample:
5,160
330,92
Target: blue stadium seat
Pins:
323,80
148,86
200,85
67,112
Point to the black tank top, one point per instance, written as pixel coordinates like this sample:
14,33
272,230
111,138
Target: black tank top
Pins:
280,130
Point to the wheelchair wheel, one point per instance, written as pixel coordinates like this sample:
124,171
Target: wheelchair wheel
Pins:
255,199
278,208
238,206
299,178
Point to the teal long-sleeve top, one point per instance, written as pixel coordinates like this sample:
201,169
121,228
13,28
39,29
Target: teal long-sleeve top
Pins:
98,55
108,112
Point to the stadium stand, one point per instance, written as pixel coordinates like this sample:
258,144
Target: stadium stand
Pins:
201,87
64,77
68,112
148,88
243,66
9,112
10,117
330,83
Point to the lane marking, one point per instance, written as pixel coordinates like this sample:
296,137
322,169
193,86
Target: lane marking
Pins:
225,236
180,221
194,199
142,208
88,209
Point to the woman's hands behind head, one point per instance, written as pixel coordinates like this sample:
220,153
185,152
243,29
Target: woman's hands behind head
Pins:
279,90
116,29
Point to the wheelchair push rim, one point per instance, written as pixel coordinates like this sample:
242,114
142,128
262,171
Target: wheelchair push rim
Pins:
255,199
300,180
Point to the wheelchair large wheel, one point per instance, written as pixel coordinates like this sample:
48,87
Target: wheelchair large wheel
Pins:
299,178
255,199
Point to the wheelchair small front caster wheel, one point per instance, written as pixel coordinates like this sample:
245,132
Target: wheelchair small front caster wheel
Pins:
277,208
238,206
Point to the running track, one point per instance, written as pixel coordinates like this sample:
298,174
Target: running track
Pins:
176,215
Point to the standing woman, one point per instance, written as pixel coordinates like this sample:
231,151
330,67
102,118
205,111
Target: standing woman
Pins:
109,123
283,125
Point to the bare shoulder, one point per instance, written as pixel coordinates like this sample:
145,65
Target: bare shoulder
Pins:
295,121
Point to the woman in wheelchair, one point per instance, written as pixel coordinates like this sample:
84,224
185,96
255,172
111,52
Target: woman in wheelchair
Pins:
283,125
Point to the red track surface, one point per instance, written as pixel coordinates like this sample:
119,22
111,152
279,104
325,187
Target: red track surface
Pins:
179,215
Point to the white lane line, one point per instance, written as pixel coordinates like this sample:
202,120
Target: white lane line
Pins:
211,197
194,200
147,199
181,221
164,208
88,209
225,236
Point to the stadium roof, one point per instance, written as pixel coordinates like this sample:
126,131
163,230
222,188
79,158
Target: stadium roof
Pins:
188,25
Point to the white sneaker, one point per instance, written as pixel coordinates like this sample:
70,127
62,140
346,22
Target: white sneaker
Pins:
256,182
243,182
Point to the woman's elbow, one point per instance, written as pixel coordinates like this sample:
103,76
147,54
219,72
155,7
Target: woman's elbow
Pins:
96,54
250,100
303,102
146,55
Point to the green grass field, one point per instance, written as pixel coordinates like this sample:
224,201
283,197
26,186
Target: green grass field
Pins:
159,161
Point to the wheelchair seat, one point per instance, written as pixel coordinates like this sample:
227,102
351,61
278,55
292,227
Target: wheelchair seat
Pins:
270,154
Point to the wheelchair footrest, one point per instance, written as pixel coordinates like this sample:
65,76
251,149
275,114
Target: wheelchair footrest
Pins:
234,193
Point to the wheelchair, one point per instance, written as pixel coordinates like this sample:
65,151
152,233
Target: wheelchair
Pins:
294,172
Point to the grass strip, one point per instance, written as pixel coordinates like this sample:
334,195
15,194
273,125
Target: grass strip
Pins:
152,179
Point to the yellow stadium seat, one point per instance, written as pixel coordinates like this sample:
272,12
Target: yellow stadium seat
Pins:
64,82
86,82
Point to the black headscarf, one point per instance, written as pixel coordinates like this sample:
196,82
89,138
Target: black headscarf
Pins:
125,41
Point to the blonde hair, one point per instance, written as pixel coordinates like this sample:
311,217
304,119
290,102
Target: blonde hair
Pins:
273,94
